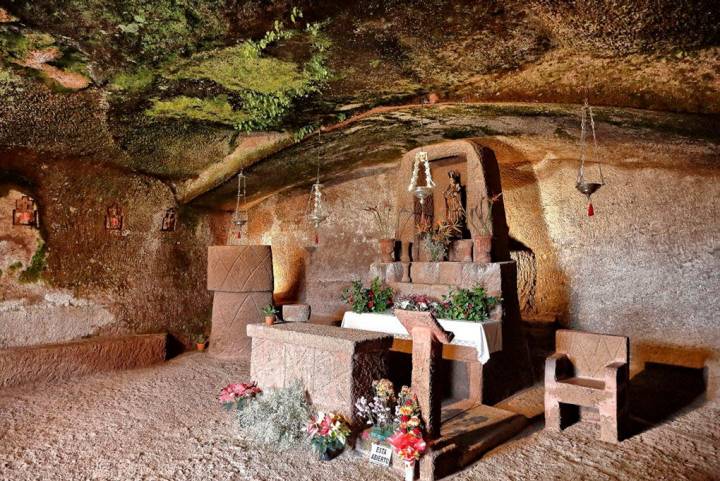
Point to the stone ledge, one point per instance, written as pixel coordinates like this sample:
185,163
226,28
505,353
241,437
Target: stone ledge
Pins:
52,362
321,336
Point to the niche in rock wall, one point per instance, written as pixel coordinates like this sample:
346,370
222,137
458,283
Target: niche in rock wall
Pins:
21,247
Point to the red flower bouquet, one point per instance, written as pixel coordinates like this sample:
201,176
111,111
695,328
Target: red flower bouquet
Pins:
238,395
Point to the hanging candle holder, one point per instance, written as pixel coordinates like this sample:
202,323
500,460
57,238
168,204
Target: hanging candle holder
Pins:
240,216
588,188
318,212
422,192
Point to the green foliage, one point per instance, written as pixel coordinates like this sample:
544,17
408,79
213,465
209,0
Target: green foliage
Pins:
216,110
376,298
277,418
136,81
269,310
7,79
37,265
265,87
161,27
466,304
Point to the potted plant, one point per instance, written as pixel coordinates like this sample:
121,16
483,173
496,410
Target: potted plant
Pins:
378,413
376,298
270,313
328,434
436,239
201,342
466,304
382,217
480,219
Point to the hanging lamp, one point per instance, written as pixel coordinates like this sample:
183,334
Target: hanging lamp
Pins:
421,191
317,211
586,187
240,216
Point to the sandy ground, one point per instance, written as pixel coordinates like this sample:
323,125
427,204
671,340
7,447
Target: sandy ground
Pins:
164,423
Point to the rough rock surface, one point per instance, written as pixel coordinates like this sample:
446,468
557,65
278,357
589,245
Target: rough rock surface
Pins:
164,423
53,362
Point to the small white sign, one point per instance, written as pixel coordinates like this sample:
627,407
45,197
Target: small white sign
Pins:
380,455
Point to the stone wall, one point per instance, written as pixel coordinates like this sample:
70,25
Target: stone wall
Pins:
138,280
644,266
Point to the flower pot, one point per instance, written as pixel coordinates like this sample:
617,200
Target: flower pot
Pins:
482,248
200,346
329,454
461,250
387,250
409,470
269,320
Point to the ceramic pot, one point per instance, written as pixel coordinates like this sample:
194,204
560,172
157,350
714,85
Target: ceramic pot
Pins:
269,320
201,346
482,248
461,250
387,250
409,470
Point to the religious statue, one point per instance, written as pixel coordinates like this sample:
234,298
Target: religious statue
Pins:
454,201
169,220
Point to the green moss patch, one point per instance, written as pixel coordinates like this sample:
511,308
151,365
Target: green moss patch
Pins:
136,81
34,271
216,110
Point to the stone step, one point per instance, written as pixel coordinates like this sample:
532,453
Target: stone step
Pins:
467,435
53,362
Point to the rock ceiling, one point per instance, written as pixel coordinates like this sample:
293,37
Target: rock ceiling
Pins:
186,91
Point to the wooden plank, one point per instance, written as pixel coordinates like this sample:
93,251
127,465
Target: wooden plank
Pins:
451,352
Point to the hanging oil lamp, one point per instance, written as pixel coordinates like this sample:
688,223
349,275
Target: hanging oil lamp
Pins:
582,184
240,216
422,192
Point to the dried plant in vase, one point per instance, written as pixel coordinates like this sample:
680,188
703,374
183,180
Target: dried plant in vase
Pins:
437,238
382,216
481,221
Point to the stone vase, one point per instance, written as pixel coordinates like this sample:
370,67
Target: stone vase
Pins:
461,250
387,250
482,248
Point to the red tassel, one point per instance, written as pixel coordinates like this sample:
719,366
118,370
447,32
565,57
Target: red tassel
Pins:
239,235
591,211
317,238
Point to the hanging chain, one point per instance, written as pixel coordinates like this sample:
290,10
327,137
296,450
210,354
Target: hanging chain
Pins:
594,151
583,142
241,192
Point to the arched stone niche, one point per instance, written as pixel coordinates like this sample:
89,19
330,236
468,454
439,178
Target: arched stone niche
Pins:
481,180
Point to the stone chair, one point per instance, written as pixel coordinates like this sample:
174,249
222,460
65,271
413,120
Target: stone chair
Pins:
588,370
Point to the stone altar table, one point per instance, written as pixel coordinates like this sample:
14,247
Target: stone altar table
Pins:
336,366
484,337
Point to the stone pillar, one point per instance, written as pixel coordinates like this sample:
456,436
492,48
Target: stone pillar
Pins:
242,280
426,358
428,337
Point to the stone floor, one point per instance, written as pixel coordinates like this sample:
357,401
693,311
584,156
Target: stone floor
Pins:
163,423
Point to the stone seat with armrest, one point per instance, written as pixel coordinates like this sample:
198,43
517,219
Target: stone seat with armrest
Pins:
588,370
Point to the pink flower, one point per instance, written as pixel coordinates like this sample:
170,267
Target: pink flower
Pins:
236,391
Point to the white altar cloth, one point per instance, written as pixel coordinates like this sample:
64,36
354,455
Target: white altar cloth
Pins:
485,337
